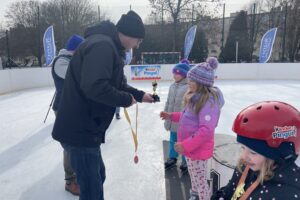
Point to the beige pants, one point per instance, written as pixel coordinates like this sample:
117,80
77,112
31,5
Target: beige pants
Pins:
69,172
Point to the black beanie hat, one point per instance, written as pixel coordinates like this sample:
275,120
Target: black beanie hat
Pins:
131,25
279,154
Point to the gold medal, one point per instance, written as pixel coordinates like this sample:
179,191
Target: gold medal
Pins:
238,192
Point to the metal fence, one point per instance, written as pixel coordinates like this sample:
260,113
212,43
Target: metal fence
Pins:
222,15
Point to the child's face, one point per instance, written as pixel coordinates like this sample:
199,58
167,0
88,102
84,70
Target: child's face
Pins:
254,160
192,85
177,77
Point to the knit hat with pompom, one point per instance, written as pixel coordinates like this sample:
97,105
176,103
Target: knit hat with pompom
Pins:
204,73
182,68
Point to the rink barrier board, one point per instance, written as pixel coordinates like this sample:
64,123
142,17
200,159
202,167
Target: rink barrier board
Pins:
223,162
24,78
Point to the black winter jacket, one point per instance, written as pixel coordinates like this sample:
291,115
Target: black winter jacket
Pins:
93,88
285,185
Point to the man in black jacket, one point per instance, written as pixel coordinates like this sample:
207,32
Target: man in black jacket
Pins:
94,86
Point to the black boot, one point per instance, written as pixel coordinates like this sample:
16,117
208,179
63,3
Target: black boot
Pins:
170,163
183,168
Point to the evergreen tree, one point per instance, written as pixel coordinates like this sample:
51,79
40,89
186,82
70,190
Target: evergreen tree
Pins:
199,51
238,32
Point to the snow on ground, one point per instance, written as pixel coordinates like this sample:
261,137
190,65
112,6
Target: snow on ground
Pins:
31,161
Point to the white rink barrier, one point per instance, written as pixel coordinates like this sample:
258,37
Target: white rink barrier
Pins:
224,160
24,78
242,71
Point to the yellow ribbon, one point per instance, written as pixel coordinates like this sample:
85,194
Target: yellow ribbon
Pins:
134,133
238,192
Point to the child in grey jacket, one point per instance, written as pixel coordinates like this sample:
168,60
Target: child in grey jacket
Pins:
174,104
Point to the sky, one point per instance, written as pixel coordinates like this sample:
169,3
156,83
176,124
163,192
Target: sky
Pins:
116,7
31,161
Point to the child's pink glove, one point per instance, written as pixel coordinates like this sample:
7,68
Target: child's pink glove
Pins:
165,115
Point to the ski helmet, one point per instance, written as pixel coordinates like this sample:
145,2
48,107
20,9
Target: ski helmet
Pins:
273,122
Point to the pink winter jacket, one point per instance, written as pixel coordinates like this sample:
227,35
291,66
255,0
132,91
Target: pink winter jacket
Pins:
196,132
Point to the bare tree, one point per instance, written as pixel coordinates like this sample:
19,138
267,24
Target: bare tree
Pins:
293,35
69,16
29,19
179,10
23,20
270,14
22,12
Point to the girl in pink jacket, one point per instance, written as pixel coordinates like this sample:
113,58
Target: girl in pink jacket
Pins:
197,123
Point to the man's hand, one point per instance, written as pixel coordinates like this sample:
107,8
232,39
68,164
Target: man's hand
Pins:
179,148
147,98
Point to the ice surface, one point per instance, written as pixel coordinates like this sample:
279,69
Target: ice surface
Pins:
31,161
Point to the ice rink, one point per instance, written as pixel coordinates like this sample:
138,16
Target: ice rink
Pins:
31,161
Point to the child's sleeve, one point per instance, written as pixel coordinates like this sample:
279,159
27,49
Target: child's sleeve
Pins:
168,100
175,116
207,122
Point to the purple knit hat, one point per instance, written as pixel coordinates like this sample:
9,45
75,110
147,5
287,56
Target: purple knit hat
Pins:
204,73
182,68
